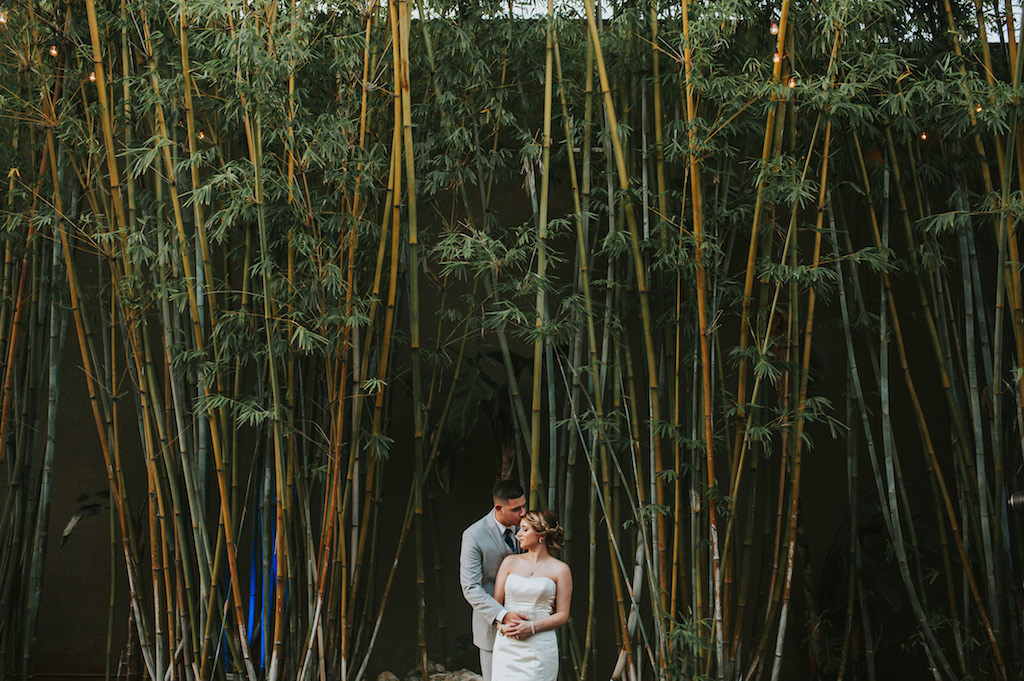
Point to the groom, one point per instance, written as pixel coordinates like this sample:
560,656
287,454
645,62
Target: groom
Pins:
485,544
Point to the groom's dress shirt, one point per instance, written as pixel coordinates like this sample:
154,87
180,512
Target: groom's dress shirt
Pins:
502,528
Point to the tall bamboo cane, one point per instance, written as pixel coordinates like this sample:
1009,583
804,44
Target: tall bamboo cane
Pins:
930,453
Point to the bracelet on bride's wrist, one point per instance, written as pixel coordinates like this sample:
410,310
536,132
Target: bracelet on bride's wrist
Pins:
533,628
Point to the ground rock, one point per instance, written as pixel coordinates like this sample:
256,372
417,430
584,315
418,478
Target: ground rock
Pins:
435,672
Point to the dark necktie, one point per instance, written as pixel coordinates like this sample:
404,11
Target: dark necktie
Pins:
509,540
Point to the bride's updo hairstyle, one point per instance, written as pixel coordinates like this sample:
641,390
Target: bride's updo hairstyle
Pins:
545,524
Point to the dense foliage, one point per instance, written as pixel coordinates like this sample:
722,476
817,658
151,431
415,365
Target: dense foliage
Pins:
670,255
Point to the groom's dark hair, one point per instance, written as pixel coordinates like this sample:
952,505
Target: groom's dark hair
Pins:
507,489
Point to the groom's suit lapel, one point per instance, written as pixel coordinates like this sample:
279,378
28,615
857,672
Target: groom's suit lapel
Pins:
498,538
494,534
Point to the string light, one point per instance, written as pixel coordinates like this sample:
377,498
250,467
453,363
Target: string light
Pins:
776,58
924,136
775,28
53,50
978,109
201,135
792,83
3,17
92,76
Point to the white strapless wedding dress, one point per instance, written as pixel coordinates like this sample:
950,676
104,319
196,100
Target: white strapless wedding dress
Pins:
534,658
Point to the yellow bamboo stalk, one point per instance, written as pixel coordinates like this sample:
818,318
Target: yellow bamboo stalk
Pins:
192,136
639,267
746,333
395,192
697,199
115,481
105,115
797,466
665,574
403,85
14,342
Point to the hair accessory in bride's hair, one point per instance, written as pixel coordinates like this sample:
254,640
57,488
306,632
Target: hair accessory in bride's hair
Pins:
545,523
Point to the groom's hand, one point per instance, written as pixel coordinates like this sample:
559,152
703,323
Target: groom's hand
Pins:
515,626
513,618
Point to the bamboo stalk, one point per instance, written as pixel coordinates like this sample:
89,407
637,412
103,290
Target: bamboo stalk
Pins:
802,399
930,458
540,316
111,459
770,131
697,199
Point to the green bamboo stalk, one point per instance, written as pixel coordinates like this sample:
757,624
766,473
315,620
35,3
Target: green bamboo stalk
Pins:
960,436
540,317
196,309
595,393
204,273
283,500
638,262
55,347
859,399
890,494
1012,276
99,408
352,473
853,504
1004,242
17,328
604,465
942,288
349,505
205,278
973,388
227,517
772,308
794,492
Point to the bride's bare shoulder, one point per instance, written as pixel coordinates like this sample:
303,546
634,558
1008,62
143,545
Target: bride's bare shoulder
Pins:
510,560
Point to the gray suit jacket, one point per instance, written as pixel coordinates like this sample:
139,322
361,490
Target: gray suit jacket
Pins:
483,549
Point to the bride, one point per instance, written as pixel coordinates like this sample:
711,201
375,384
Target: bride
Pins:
539,586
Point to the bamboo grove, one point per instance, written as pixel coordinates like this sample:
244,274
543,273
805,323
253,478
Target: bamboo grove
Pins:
675,257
